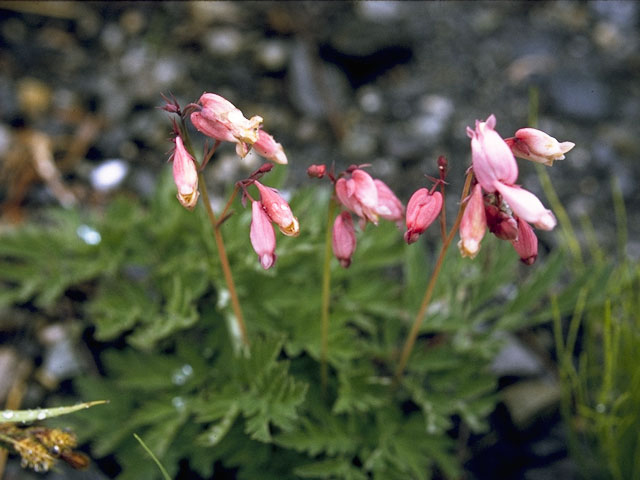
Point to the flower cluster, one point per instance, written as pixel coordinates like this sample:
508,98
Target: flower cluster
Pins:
496,202
270,208
219,119
358,193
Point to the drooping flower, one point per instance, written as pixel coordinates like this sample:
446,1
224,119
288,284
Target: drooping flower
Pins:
389,206
185,175
423,208
527,206
535,145
492,158
278,210
473,224
263,238
344,238
359,194
367,197
219,119
526,244
267,147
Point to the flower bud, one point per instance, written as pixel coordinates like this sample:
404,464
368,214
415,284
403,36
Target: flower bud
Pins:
423,208
473,224
343,239
267,147
535,145
185,175
526,244
263,238
527,206
317,171
491,157
278,210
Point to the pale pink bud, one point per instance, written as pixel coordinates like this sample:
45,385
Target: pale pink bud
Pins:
500,223
344,239
526,244
423,208
263,238
359,194
267,147
389,206
185,175
221,120
535,145
317,171
364,190
278,210
527,206
491,156
473,224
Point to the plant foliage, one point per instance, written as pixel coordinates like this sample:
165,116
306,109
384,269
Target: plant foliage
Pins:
153,281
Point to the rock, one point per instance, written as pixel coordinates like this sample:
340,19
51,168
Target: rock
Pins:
515,359
528,400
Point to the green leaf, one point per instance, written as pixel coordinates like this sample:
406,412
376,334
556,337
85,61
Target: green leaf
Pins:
331,468
360,391
216,433
275,396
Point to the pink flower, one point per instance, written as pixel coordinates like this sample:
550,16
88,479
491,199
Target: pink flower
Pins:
527,206
344,239
278,210
473,224
423,208
359,194
491,156
267,147
535,145
389,206
221,120
263,238
526,244
185,175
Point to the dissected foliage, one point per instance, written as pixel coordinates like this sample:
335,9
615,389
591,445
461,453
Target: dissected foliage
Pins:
182,384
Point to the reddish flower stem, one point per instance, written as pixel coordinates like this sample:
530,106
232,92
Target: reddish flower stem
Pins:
415,328
224,260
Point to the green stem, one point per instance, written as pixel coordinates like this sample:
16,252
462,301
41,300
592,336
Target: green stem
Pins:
415,328
224,260
326,290
563,217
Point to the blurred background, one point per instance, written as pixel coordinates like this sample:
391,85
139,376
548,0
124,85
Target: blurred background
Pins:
391,84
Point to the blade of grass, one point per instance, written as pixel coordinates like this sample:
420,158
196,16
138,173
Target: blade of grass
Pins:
163,471
26,416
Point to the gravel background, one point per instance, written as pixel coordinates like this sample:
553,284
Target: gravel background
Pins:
393,84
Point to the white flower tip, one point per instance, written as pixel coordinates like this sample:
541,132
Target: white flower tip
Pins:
267,260
547,221
566,146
